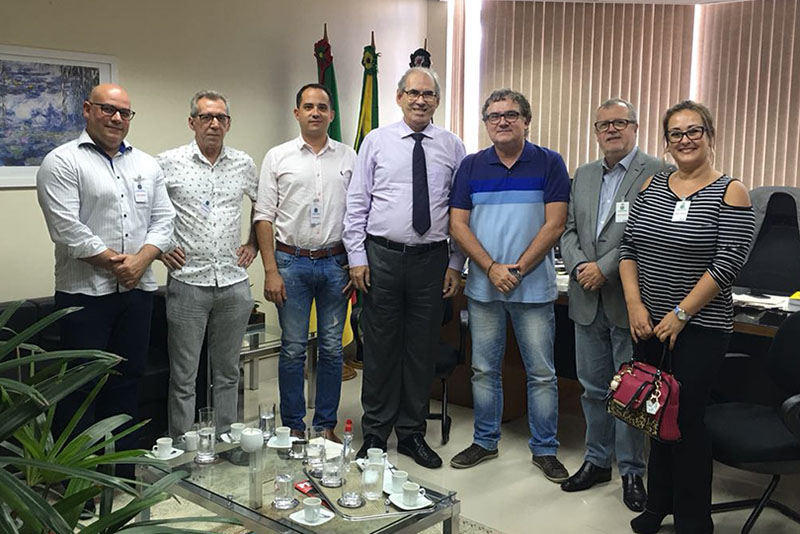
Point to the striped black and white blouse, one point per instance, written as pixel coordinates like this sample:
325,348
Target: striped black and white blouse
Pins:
671,256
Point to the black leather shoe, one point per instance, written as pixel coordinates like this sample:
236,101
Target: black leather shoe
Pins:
633,493
415,446
370,441
586,477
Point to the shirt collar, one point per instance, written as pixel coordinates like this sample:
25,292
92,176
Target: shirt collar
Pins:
86,139
406,130
197,154
526,155
301,144
625,162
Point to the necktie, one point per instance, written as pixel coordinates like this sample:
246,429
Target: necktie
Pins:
421,213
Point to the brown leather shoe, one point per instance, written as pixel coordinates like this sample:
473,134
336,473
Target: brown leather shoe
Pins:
355,364
330,435
301,434
348,373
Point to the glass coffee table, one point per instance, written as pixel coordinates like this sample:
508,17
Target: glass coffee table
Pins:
224,489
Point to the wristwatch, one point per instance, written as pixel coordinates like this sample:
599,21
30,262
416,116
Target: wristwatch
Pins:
681,314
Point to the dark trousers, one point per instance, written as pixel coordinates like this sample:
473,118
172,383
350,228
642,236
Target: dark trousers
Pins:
402,319
118,323
679,475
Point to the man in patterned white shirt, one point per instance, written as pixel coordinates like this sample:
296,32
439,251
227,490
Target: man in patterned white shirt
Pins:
301,202
208,289
109,217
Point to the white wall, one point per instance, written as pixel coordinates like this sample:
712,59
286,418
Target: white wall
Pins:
258,52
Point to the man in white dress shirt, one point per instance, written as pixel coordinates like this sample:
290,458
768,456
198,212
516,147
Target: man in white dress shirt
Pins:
301,204
108,213
208,290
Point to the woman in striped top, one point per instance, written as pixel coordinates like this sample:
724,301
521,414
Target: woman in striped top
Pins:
686,239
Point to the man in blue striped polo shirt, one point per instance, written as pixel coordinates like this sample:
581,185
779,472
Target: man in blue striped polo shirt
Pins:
507,211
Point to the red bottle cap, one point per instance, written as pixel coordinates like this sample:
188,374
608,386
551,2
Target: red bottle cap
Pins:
348,426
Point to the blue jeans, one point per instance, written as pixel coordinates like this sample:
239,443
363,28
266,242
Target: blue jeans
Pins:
600,348
534,328
307,280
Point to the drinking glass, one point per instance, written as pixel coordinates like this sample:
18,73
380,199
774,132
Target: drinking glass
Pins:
372,477
206,420
315,452
266,420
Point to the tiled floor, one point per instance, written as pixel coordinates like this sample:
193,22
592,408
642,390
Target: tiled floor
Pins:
511,495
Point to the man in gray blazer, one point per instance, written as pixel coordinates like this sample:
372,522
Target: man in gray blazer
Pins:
602,194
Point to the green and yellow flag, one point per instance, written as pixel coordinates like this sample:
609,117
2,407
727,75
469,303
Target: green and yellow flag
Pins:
327,77
368,114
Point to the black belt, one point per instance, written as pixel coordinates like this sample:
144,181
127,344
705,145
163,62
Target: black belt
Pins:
406,249
307,253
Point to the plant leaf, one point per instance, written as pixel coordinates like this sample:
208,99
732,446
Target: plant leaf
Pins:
32,508
8,346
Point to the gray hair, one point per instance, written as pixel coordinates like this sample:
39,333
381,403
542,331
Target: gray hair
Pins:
620,102
210,95
430,73
508,94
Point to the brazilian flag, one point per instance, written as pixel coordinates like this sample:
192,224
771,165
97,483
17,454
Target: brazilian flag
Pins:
327,77
368,114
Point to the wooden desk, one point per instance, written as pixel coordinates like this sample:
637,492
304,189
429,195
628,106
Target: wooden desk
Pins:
750,337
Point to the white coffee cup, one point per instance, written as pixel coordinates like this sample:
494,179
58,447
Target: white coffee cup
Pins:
411,493
374,454
236,431
191,439
282,436
252,439
311,509
398,479
162,448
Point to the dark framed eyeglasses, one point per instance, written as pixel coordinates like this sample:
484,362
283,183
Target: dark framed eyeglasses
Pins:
694,133
619,124
509,116
427,96
206,118
109,111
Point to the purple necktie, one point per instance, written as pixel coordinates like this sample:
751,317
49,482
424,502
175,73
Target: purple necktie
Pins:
421,212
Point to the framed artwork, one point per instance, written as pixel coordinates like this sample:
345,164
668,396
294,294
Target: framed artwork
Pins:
41,105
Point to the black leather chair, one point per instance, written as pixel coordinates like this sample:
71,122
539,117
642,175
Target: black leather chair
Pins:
759,438
773,266
447,357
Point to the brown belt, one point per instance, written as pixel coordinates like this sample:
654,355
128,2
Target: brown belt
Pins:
308,253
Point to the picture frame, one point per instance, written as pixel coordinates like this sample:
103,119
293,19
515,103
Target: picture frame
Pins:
41,98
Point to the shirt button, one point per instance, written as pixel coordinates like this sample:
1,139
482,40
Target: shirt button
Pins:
126,235
125,215
122,195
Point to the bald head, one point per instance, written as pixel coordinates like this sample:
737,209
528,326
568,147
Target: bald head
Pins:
104,123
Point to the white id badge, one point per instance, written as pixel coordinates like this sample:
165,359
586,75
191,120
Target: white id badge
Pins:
315,212
205,207
681,211
622,211
140,195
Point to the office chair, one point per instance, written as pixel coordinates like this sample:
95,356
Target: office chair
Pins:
763,439
773,266
447,357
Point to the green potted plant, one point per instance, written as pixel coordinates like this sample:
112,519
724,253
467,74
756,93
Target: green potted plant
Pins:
45,480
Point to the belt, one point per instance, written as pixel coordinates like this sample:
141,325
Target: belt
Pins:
406,249
307,253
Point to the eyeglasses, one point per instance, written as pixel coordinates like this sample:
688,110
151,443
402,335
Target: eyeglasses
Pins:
427,96
509,116
206,118
694,133
109,111
619,124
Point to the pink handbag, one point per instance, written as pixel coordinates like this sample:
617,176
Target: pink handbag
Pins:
646,397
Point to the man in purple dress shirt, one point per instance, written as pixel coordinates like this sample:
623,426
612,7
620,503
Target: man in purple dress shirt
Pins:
396,236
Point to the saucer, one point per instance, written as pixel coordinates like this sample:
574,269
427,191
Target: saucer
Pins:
273,442
397,500
361,462
387,484
325,515
174,453
227,438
